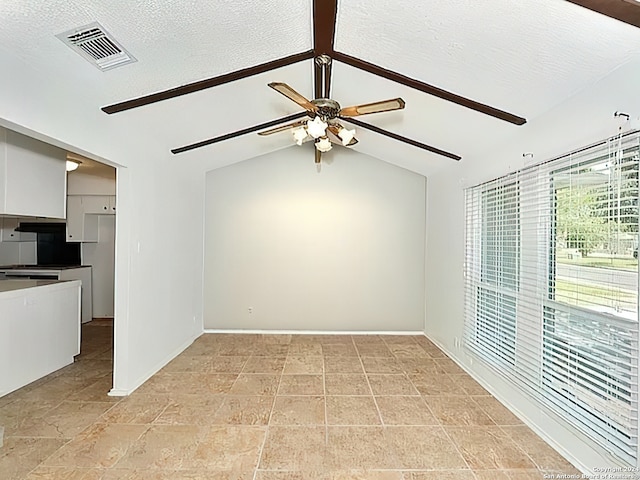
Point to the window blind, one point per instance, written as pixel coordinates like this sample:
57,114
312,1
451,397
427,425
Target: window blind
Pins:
551,286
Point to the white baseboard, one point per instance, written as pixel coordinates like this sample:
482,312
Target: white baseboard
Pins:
120,392
315,332
116,392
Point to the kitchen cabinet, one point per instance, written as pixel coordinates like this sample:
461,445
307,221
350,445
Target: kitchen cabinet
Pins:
80,227
8,233
33,178
82,215
99,204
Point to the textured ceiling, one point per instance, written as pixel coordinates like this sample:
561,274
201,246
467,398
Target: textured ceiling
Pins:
524,57
175,42
521,56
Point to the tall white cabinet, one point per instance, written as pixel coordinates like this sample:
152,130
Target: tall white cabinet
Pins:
91,212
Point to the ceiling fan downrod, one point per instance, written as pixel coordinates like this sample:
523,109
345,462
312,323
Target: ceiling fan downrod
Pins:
323,76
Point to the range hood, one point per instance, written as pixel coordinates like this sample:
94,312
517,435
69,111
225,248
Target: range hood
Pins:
41,227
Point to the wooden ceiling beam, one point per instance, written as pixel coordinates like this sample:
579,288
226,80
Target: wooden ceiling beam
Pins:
395,136
627,11
430,89
238,133
208,83
324,26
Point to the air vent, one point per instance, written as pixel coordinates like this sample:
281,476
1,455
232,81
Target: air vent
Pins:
98,46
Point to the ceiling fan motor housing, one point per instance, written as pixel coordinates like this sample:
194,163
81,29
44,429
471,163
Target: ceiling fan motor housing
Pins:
327,108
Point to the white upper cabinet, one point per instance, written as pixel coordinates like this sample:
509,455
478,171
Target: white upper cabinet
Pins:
99,204
33,178
80,227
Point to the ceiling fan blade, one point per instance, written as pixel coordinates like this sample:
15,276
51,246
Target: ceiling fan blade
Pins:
365,109
430,89
282,128
410,141
291,94
208,83
335,130
238,133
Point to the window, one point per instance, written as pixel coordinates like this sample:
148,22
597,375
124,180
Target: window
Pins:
497,285
551,278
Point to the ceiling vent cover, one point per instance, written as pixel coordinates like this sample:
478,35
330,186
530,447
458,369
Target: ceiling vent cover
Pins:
97,45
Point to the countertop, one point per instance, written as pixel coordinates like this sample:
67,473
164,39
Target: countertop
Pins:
7,268
12,285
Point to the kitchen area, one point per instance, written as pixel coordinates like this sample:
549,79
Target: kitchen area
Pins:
57,255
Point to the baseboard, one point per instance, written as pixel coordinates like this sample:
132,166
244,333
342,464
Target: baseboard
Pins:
315,332
120,392
117,392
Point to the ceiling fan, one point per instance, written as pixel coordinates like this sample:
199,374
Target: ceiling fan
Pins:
322,109
324,114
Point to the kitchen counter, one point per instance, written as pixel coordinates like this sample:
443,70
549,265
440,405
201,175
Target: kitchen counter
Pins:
40,267
39,329
57,272
12,284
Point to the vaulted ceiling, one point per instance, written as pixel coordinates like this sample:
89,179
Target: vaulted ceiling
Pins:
520,57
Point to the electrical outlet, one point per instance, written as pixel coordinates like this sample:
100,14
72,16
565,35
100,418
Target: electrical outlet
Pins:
250,309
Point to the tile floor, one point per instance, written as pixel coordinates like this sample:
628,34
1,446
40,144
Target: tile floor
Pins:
270,407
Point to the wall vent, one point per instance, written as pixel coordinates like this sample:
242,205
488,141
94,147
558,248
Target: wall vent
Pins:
97,46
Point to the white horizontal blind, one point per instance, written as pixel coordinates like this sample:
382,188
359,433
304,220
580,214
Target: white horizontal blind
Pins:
495,270
552,286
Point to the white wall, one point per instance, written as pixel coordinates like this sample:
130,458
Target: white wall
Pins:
583,119
158,267
338,250
79,183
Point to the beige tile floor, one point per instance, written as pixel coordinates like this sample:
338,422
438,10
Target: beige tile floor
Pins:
270,407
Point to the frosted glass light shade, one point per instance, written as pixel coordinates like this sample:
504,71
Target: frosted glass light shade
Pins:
346,135
316,127
323,145
71,165
299,134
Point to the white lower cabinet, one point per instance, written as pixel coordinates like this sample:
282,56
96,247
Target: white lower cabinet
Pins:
39,330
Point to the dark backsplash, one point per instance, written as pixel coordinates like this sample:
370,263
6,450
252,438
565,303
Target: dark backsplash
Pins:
52,245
